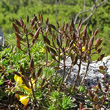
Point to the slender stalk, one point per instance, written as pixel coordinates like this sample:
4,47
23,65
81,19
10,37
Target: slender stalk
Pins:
89,59
46,57
33,94
64,68
28,47
68,73
85,73
58,63
74,84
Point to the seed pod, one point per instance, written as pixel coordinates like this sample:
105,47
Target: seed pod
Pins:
98,42
63,25
80,25
17,22
19,37
31,67
90,42
22,70
66,26
33,20
16,28
99,50
84,33
47,21
41,18
21,22
27,19
57,24
95,33
85,30
18,43
100,57
36,34
72,24
46,40
73,36
39,72
70,29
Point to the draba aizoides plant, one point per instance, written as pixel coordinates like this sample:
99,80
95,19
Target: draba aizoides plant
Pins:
26,36
60,43
68,41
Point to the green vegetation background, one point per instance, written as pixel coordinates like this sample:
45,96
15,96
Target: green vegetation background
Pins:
62,10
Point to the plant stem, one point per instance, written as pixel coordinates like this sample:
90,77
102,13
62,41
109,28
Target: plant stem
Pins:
88,63
28,46
63,72
85,72
33,94
74,84
46,57
58,62
68,73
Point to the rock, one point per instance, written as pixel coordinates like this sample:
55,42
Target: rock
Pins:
92,75
1,38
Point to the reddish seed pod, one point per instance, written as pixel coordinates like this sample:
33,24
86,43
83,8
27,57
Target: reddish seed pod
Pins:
98,43
85,30
91,42
21,22
95,33
47,21
36,33
100,57
33,20
72,24
99,50
19,37
17,22
27,19
16,28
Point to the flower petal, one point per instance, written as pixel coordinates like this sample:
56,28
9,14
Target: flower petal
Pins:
24,99
18,79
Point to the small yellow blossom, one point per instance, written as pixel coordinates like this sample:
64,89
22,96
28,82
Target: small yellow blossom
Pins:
73,44
83,48
26,88
18,79
42,50
24,99
29,89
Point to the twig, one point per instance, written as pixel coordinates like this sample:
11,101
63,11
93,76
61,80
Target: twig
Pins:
92,10
74,84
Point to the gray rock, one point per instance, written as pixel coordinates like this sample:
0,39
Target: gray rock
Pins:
1,38
92,75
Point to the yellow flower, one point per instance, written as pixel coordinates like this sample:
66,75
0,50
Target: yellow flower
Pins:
73,44
18,79
42,50
24,99
28,89
83,48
